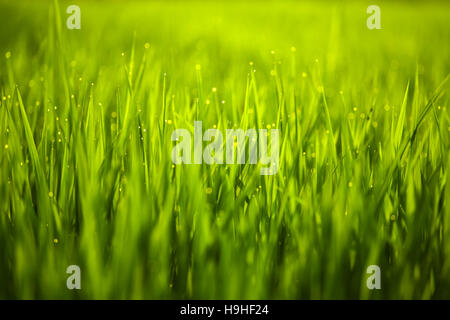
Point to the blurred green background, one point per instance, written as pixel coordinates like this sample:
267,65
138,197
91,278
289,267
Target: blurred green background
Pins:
87,179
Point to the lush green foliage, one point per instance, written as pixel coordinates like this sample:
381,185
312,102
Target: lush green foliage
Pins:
86,174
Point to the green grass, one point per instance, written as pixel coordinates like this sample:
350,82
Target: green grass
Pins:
86,174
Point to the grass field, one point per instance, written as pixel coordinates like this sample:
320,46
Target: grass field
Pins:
86,176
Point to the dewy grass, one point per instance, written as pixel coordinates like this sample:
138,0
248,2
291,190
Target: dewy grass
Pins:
87,178
235,147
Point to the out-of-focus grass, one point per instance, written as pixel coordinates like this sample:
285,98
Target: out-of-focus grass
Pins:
87,179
